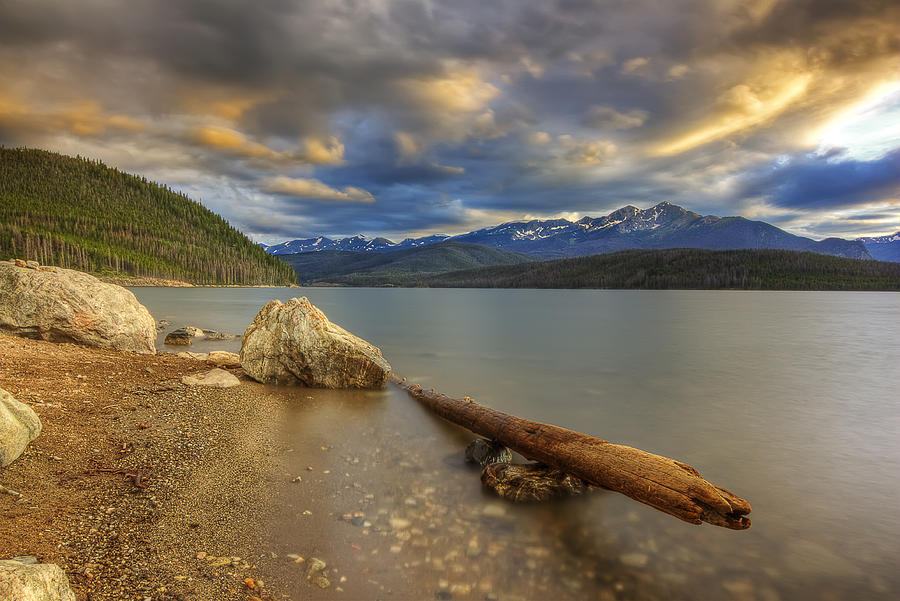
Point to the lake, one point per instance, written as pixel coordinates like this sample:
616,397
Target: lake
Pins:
789,399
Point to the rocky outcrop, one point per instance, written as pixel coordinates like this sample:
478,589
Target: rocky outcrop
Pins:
19,425
529,482
62,305
214,378
294,343
26,581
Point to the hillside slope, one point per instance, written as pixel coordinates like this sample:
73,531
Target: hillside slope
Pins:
683,269
363,268
77,213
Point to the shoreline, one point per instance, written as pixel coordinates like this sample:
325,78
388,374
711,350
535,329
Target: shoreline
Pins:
203,453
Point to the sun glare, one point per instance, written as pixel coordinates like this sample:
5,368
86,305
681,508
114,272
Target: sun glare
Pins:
868,129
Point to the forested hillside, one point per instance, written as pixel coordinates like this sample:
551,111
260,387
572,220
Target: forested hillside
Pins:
682,268
373,268
81,214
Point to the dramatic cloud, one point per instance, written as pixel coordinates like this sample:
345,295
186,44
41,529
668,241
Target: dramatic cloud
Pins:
291,118
316,190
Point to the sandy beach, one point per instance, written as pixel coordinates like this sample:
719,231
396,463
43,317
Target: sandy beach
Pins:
109,417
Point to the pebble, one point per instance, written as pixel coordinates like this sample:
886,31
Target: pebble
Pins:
400,523
494,510
634,560
201,555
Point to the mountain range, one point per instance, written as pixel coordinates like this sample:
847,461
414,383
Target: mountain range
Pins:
663,226
883,248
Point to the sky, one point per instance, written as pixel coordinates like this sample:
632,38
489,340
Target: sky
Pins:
293,119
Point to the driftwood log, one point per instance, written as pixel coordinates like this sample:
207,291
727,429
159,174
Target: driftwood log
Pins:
662,483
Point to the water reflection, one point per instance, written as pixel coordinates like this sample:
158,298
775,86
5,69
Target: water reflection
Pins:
789,399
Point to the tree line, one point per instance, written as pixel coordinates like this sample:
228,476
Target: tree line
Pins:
679,268
78,213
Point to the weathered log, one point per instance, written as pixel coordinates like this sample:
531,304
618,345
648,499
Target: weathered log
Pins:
662,483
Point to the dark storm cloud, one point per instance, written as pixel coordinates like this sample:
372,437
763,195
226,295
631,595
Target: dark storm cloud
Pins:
451,113
820,182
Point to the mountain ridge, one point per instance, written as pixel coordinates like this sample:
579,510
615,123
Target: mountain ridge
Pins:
664,225
883,248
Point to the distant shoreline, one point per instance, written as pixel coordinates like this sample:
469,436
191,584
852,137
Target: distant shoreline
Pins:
145,282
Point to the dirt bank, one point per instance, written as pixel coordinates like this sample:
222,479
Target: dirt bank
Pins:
136,474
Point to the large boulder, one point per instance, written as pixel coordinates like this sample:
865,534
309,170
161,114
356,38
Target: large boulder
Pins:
294,343
24,581
19,425
62,305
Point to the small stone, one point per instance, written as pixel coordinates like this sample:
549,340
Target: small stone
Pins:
321,581
316,565
201,555
358,520
460,589
634,560
494,510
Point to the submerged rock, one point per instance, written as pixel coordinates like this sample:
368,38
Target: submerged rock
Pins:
63,305
184,336
529,482
215,378
485,452
19,425
34,582
294,343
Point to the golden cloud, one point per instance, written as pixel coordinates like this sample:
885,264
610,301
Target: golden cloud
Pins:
82,118
586,152
223,138
741,107
453,106
322,151
317,151
538,138
316,190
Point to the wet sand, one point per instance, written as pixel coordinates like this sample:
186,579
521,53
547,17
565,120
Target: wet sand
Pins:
268,484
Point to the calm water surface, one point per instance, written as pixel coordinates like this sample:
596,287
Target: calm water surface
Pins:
789,399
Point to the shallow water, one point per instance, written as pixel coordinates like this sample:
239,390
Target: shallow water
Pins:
789,399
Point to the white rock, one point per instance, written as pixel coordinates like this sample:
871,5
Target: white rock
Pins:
19,425
34,582
62,305
215,378
294,342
